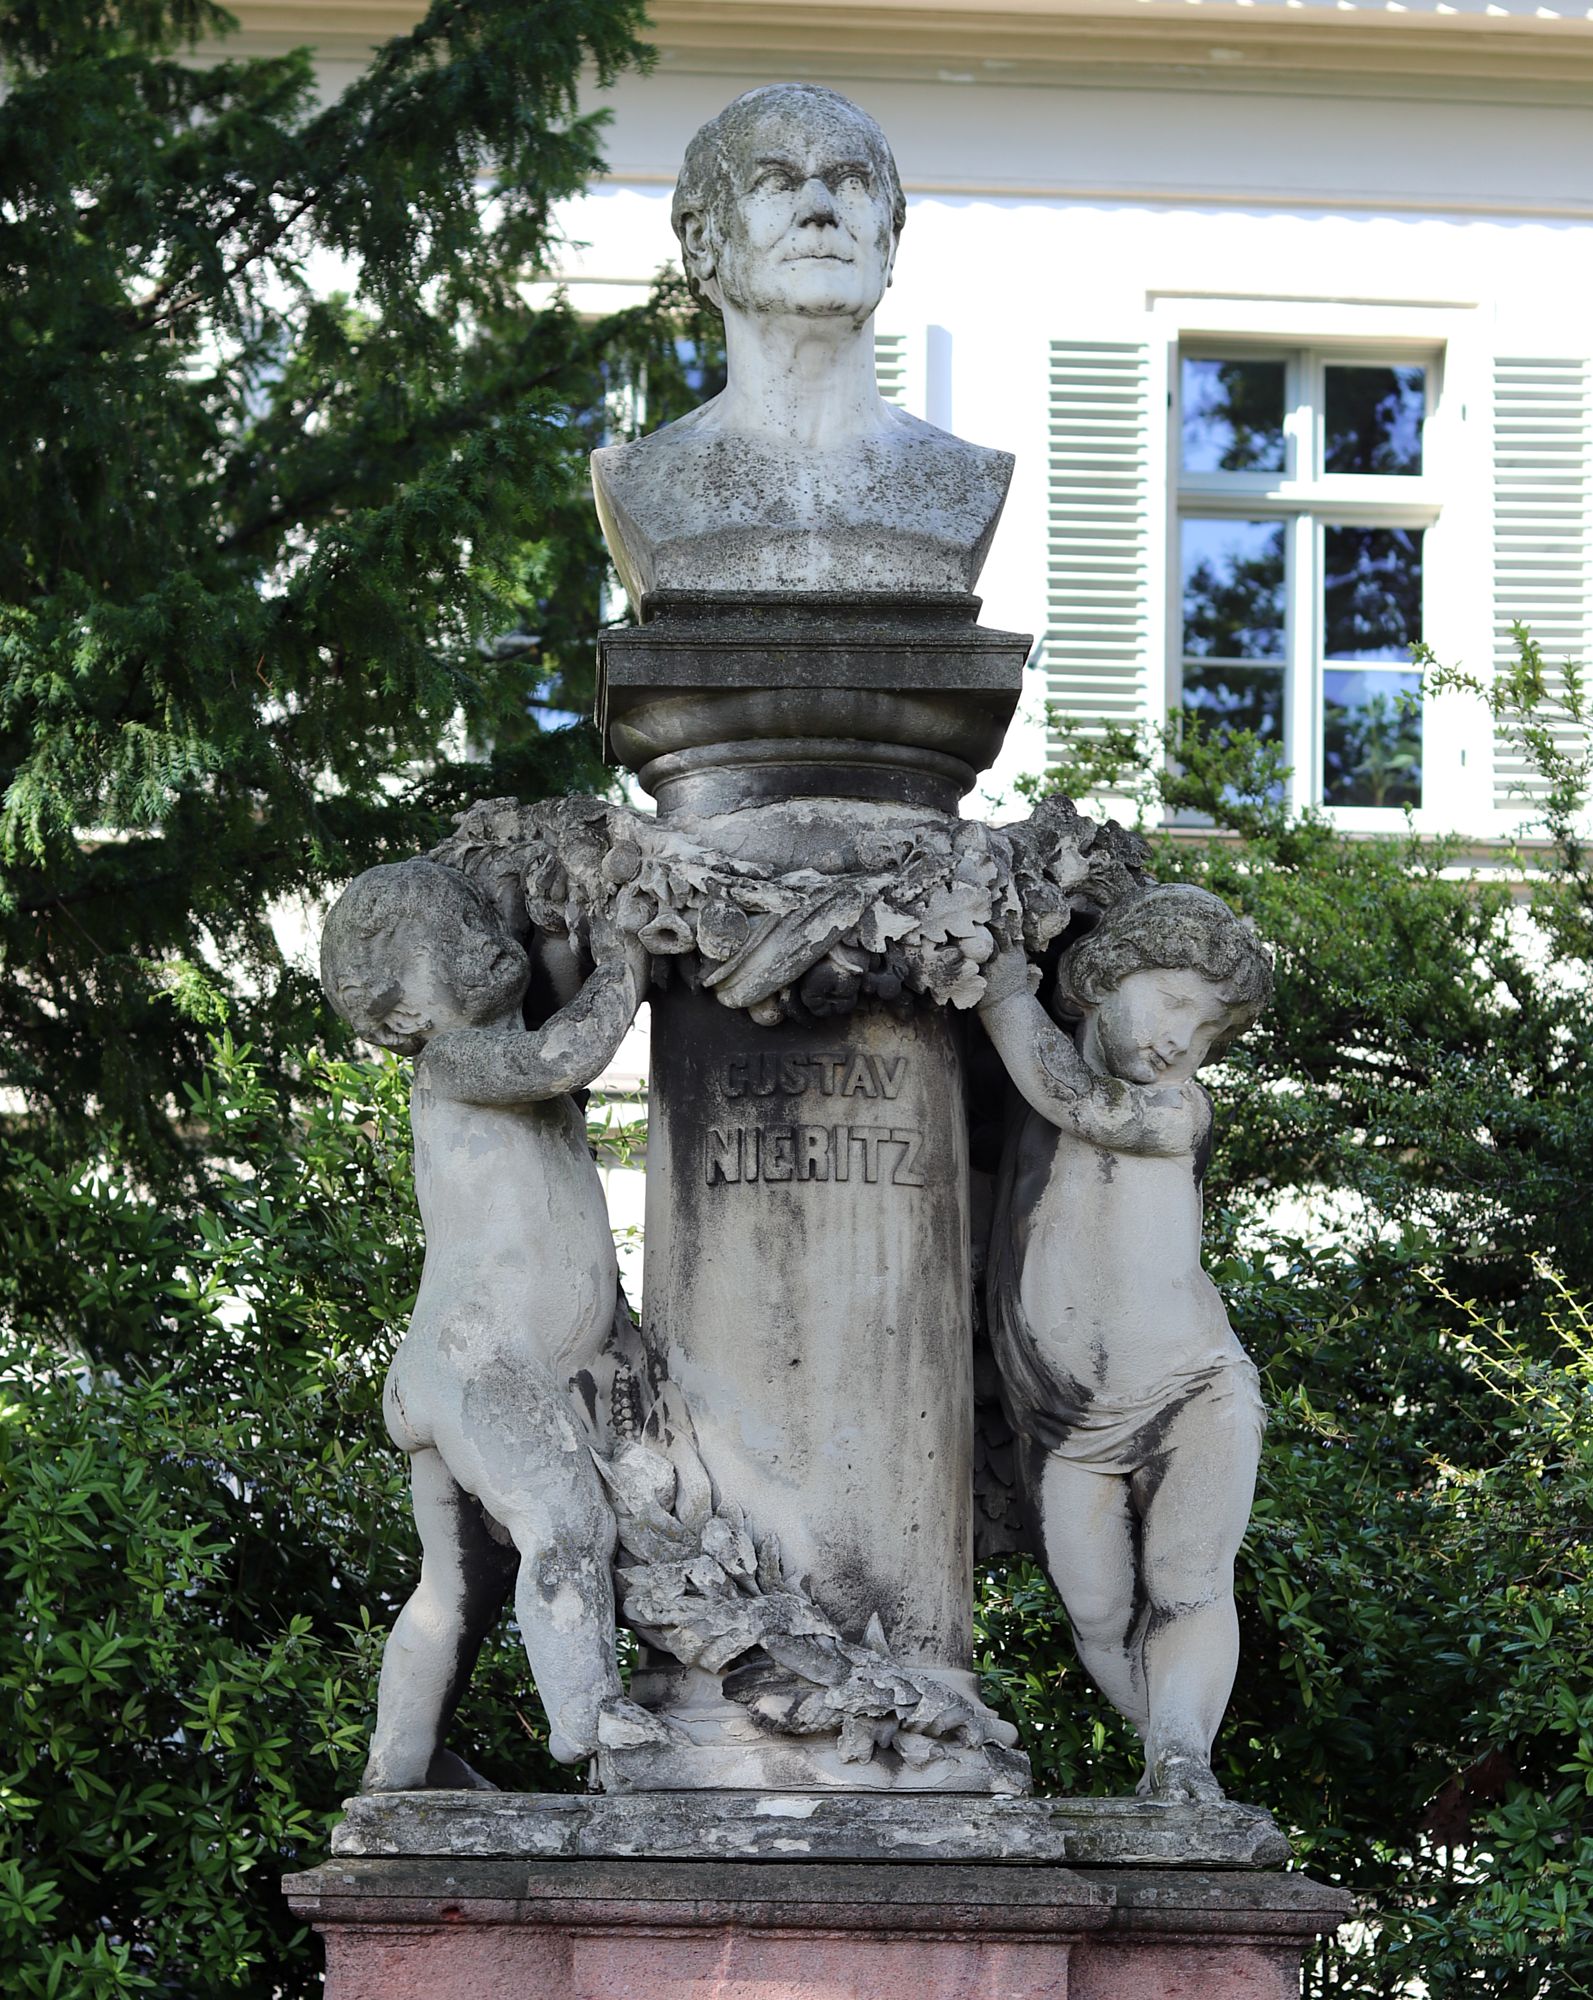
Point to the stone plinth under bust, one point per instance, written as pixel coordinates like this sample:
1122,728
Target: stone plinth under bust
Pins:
729,699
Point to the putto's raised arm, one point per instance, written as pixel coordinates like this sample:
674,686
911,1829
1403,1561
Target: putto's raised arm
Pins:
1044,1062
480,1066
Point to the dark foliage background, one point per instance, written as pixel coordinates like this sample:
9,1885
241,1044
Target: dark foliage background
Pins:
297,554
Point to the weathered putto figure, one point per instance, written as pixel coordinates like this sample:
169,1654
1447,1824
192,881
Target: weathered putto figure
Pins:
799,476
1140,1410
517,1297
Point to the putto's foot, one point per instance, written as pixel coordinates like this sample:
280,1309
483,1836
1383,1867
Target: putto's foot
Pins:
449,1773
445,1773
615,1723
1181,1779
623,1725
388,1779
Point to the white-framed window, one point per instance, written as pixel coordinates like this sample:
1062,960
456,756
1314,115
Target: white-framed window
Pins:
1501,497
1306,503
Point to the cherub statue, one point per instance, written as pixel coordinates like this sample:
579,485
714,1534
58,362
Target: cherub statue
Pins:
1139,1412
517,1296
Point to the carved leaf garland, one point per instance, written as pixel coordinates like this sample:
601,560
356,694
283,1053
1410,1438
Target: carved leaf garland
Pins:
694,1582
910,911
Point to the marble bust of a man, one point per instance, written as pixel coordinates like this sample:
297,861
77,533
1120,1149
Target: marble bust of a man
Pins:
799,476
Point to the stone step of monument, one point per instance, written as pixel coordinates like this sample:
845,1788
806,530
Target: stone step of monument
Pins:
795,1826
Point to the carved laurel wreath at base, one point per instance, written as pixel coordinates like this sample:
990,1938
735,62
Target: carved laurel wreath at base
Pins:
694,1583
916,904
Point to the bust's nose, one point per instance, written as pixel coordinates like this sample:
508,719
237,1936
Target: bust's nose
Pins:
817,203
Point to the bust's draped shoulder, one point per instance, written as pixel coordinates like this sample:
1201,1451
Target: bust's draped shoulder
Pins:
912,509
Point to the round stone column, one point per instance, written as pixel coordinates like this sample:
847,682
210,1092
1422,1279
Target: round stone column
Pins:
807,1288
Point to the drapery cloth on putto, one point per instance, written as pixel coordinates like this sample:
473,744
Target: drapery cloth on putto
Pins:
1203,1403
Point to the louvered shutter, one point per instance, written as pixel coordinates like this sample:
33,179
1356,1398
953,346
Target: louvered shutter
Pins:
890,367
1097,642
1542,553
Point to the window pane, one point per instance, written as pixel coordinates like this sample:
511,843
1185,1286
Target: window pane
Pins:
1371,593
1371,738
1374,420
1236,697
1233,589
1233,416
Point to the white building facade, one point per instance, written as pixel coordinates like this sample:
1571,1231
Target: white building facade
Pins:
1285,307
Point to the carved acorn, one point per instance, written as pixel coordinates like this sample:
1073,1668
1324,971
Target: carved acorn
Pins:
667,935
622,863
722,929
978,948
634,908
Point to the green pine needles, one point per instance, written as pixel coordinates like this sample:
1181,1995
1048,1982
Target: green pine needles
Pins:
297,551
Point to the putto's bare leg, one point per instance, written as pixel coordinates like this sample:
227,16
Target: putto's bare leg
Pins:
465,1577
1195,1505
525,1455
1090,1537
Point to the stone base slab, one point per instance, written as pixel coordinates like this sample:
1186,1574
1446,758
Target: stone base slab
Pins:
413,1928
787,1826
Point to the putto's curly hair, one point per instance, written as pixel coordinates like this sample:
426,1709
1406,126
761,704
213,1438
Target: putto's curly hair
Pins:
404,911
706,174
1173,927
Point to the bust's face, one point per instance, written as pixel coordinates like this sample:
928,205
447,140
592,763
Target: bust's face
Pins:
805,229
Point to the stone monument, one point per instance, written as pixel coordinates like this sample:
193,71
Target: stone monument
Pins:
778,1478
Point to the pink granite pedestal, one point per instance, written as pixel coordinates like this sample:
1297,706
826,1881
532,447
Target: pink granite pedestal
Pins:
476,1928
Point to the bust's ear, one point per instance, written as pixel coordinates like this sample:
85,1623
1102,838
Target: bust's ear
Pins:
699,253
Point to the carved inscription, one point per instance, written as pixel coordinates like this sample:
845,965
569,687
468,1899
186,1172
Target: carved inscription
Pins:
853,1150
814,1153
828,1076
